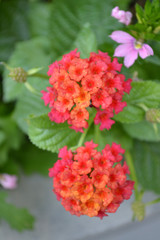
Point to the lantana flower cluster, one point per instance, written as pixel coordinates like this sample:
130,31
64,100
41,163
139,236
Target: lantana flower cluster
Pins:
77,84
92,183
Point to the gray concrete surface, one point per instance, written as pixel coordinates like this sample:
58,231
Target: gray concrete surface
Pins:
54,223
149,229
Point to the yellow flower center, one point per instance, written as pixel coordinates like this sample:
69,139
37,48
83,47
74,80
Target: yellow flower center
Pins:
138,44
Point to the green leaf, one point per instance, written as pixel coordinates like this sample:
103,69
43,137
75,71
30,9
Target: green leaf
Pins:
147,8
4,149
118,135
12,137
6,109
11,166
50,136
18,218
147,165
25,56
64,26
130,114
13,25
122,4
138,27
115,134
139,13
144,92
68,17
30,104
86,41
35,160
12,133
98,14
39,15
146,69
2,137
156,4
153,59
143,131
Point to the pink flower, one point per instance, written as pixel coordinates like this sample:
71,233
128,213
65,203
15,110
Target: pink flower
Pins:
130,48
8,181
122,16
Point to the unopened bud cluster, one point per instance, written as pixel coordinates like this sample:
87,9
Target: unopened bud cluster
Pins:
138,208
153,115
18,74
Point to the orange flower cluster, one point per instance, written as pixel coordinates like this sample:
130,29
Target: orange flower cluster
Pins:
81,83
89,182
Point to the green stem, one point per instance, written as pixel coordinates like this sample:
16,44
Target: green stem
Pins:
6,65
82,138
141,105
152,202
32,89
96,133
41,75
133,173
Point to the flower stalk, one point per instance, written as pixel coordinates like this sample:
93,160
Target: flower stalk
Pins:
32,89
83,135
96,133
40,75
152,202
132,174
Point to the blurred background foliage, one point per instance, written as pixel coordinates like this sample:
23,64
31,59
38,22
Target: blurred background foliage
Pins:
34,34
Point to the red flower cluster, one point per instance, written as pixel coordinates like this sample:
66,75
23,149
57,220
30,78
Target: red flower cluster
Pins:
81,83
90,182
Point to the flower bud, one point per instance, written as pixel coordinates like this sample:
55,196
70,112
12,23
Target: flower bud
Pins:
157,30
122,16
8,181
153,115
139,210
18,74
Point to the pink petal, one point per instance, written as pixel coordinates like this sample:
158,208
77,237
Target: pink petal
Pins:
130,58
8,181
121,37
122,16
115,12
123,49
128,18
145,51
46,97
